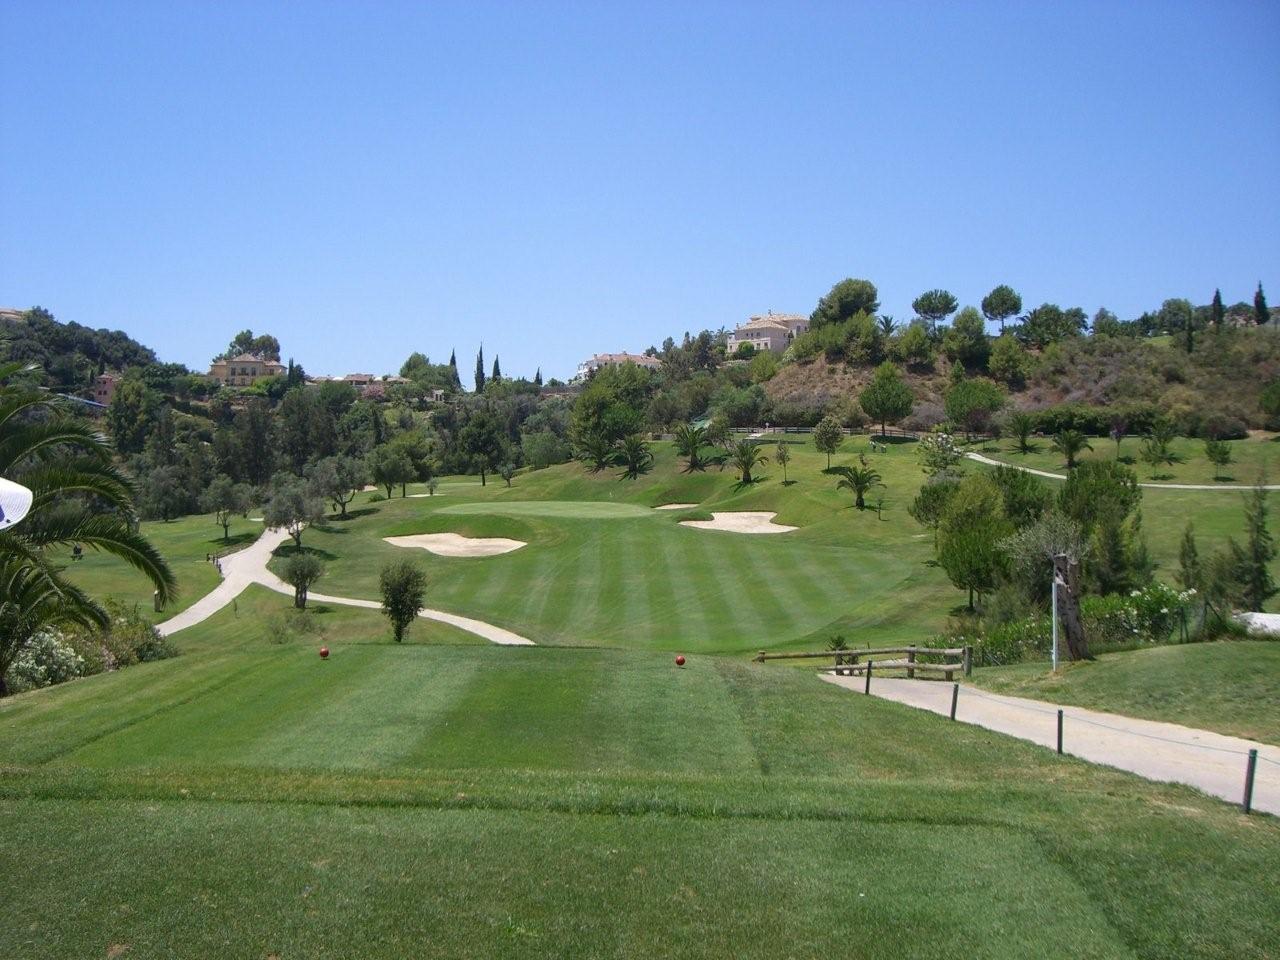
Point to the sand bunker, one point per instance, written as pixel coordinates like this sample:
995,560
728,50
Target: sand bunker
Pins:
742,521
456,545
676,506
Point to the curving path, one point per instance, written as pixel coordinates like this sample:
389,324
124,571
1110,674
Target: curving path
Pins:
991,462
1159,751
247,566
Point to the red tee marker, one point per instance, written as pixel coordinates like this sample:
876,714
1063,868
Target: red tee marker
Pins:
680,660
324,653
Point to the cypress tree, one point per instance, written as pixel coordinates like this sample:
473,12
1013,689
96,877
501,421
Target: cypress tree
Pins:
1260,312
480,370
1218,314
453,359
497,370
1191,332
537,378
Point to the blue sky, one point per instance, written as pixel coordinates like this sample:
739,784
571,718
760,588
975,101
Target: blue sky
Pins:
368,179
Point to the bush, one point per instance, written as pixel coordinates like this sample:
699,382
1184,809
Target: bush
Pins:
295,624
924,417
46,660
128,639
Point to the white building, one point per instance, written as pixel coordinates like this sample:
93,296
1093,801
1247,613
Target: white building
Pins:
588,367
773,332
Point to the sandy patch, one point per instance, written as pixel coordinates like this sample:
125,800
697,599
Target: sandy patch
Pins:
456,545
740,521
257,519
676,506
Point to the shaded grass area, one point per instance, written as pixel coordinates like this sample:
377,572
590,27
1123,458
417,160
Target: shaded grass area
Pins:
481,884
1231,688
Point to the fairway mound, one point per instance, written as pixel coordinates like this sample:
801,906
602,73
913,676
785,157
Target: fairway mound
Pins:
676,506
456,545
740,521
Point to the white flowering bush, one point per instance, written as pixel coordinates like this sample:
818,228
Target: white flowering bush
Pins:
46,660
939,453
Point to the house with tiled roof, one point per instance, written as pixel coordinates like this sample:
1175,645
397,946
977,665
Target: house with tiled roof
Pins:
771,331
244,370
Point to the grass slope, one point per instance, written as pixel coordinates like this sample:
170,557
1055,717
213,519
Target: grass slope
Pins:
1232,688
439,800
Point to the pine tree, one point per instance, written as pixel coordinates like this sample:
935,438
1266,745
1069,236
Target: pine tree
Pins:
1254,561
480,370
537,378
1190,576
1260,312
497,370
1217,313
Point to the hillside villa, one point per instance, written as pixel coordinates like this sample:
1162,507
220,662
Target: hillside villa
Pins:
773,332
588,367
104,387
244,370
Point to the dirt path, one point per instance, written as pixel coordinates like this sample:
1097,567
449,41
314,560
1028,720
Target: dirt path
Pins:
247,566
1158,751
1150,486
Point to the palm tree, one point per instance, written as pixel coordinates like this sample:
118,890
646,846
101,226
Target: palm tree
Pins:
689,443
745,457
1022,425
887,325
78,497
1070,443
634,456
596,452
859,479
782,456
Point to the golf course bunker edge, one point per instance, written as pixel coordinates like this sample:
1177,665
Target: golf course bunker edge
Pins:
456,545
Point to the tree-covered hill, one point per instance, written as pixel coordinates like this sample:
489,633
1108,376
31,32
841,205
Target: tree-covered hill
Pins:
70,355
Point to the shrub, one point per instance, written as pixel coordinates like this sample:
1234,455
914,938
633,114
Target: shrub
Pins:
294,624
128,639
46,660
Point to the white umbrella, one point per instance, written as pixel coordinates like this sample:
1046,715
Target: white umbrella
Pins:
15,501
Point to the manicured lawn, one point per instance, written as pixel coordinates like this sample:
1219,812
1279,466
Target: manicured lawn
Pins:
1231,688
602,567
1252,457
185,543
431,799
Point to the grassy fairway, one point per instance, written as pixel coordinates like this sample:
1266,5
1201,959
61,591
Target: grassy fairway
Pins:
1253,458
603,568
1232,688
185,543
441,800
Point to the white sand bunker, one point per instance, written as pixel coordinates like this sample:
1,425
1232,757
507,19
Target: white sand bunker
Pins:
676,506
456,545
741,521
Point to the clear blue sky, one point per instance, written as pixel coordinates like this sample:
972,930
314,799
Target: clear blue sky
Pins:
368,179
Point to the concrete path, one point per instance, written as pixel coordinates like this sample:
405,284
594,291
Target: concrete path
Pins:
249,565
1158,751
1150,486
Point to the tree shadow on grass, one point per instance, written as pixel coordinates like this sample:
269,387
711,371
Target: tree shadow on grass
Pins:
235,540
1224,479
354,514
289,549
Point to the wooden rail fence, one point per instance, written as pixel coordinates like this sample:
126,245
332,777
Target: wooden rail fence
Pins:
846,662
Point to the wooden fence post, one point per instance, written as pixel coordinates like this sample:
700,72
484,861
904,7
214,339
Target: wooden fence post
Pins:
911,658
867,688
968,660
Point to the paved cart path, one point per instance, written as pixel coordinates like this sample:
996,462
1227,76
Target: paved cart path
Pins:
1159,751
247,566
991,462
